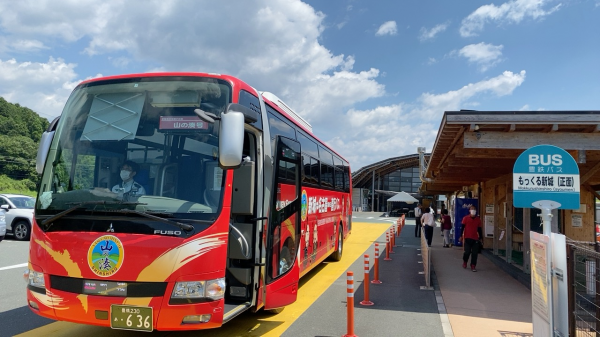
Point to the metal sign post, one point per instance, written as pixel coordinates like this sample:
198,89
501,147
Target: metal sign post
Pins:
546,177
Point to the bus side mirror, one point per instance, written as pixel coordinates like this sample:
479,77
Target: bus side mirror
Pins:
42,153
231,132
231,139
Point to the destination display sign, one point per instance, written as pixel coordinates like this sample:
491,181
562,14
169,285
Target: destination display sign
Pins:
546,172
107,288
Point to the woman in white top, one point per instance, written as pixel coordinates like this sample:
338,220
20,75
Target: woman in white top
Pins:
428,222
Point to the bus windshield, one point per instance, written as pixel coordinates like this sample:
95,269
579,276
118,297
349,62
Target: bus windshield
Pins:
135,145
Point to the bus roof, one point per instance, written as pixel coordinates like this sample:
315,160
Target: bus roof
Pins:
230,78
305,129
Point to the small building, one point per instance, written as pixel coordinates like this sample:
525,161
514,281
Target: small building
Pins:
474,154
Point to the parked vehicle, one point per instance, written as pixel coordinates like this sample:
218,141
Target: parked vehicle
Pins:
2,226
18,214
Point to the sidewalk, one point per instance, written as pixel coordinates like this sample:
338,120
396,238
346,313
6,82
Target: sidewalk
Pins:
400,307
464,304
486,303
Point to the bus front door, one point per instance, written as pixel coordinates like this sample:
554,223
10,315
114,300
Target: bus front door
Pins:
283,271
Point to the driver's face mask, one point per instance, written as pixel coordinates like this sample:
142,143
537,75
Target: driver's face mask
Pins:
125,174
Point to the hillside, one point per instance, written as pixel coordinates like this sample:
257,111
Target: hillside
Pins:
20,132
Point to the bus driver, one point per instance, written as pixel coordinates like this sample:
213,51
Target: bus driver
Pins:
128,189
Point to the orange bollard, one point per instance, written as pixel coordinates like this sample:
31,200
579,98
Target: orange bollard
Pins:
376,266
392,241
350,304
366,301
387,247
398,223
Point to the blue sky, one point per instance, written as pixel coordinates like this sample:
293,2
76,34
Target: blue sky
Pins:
372,77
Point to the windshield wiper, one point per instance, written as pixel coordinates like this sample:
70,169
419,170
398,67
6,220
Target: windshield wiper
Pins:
81,204
183,226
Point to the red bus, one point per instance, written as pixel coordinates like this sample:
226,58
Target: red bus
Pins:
176,201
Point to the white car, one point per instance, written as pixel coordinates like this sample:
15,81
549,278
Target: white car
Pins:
2,225
18,214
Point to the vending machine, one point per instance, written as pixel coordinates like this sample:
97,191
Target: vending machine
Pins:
461,209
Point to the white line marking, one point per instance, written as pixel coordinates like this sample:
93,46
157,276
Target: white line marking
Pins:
14,266
370,217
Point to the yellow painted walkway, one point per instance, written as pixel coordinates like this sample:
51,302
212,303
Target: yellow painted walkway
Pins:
312,286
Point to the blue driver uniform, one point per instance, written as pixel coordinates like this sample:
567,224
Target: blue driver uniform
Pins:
129,191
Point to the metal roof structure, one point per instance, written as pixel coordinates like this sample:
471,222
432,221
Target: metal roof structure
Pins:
477,146
363,176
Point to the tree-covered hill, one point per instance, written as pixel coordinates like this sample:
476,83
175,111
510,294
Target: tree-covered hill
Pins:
20,132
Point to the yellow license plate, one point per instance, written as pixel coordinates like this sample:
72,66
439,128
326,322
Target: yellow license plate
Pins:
128,317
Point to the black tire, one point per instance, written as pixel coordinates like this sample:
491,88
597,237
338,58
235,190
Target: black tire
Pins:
337,255
1,238
275,311
22,230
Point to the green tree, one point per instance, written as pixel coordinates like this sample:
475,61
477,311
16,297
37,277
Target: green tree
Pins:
20,132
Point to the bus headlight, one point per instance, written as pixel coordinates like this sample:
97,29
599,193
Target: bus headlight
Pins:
35,279
213,289
193,289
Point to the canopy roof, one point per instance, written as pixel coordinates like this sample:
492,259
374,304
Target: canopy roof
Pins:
478,146
403,197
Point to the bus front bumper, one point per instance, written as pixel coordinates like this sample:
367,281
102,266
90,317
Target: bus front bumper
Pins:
96,310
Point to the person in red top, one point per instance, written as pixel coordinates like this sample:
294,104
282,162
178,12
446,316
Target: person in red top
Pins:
446,227
471,230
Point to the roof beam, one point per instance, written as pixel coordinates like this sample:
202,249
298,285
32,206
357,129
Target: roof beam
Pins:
509,117
590,173
456,139
525,140
487,153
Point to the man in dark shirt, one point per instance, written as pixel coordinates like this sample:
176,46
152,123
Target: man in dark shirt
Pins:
418,214
471,230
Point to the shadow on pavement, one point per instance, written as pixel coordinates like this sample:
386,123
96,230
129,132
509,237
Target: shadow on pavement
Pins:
20,320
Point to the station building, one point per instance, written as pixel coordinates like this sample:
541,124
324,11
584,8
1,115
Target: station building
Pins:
473,156
373,185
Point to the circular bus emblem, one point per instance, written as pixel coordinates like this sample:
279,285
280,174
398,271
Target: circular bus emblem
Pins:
304,206
105,255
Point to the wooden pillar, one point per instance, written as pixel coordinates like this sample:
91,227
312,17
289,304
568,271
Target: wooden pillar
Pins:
509,223
526,240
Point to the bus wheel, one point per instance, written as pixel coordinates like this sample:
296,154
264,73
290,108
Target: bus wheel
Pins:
337,255
275,311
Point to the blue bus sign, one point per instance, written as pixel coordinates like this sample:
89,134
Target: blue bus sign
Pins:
546,172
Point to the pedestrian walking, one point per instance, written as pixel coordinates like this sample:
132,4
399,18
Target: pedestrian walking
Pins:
428,224
473,236
446,228
418,214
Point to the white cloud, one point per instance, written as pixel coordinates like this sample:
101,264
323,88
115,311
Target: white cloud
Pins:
367,136
279,50
483,54
387,28
42,87
428,34
513,11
